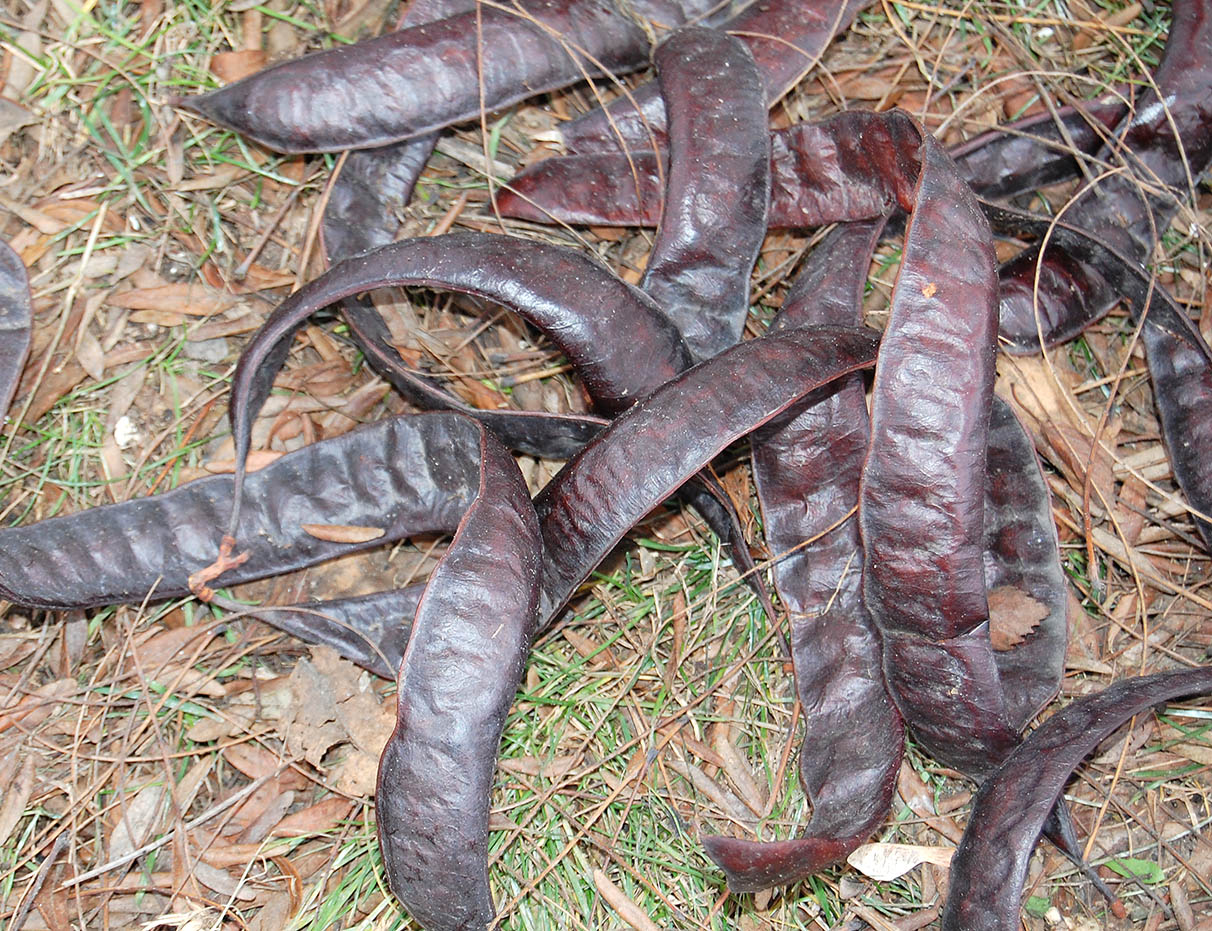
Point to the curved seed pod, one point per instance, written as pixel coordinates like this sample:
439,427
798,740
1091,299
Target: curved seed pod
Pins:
553,436
366,198
536,433
786,38
1034,152
404,475
501,270
990,867
924,476
848,167
1182,391
1166,142
370,630
426,77
16,318
806,466
714,219
1179,361
363,205
1022,555
458,677
933,387
660,442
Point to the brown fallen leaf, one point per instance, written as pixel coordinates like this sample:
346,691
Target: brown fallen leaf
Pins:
43,222
213,329
358,774
258,828
547,769
253,761
13,117
257,459
190,298
618,900
320,818
222,882
166,645
741,774
16,795
1013,615
138,819
230,67
1072,451
343,533
35,708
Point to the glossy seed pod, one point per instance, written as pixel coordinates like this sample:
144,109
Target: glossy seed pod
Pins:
990,867
420,79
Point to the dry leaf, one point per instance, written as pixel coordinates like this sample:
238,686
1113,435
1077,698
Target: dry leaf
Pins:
230,67
737,767
1071,451
547,769
358,775
234,854
257,459
13,117
234,721
343,533
267,818
166,645
617,899
221,177
368,721
213,329
21,68
275,913
221,882
180,297
16,648
728,803
139,819
164,318
90,355
185,680
320,818
253,761
310,726
16,795
43,222
186,790
1013,615
33,709
885,862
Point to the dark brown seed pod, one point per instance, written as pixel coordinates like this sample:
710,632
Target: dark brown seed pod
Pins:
1167,142
457,680
654,447
714,218
16,318
423,78
786,38
990,867
501,270
806,465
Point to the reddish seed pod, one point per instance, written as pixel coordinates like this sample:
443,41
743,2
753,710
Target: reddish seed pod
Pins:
420,79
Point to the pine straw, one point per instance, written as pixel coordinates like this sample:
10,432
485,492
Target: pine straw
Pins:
662,704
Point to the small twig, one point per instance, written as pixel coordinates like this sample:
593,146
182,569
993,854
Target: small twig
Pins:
43,871
189,826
